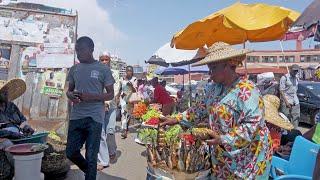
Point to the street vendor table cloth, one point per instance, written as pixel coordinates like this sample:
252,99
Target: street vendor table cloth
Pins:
237,115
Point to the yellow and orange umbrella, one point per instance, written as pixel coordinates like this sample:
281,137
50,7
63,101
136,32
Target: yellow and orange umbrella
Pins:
237,24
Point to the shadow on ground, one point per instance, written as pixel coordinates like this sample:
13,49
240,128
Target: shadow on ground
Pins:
76,174
144,153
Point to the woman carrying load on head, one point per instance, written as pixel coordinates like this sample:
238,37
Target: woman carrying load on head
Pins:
241,143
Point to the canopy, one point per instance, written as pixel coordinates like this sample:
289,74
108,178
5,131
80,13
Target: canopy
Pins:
310,16
235,25
307,25
167,56
181,70
170,71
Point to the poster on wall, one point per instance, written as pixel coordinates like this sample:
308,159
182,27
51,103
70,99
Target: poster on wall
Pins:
51,36
56,55
5,51
47,56
36,27
54,83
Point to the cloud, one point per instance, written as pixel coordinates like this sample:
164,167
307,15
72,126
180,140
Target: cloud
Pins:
94,21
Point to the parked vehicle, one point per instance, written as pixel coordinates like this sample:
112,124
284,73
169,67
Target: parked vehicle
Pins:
309,97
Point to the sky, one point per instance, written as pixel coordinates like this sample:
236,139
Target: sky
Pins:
135,29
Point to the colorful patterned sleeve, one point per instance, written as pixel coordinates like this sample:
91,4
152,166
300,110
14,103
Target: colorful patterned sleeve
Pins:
250,119
195,113
198,112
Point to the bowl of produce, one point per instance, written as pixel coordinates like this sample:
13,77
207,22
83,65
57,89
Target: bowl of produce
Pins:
151,113
152,122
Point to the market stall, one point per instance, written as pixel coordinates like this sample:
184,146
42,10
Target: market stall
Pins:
174,152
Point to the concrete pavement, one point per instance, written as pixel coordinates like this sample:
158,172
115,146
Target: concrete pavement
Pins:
130,164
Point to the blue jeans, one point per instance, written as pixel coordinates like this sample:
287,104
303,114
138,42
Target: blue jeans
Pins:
84,131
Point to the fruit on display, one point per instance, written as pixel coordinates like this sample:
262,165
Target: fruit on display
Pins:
153,121
139,109
151,113
188,138
172,134
148,135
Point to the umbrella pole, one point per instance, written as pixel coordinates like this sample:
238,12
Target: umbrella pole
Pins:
245,61
282,51
190,85
183,81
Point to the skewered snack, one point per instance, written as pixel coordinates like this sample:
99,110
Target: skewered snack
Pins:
161,138
179,149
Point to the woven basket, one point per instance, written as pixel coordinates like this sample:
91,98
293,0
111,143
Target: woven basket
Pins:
272,104
6,170
55,159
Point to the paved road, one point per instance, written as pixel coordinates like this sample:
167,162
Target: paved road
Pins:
131,164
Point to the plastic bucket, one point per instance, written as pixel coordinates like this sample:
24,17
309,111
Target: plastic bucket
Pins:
28,167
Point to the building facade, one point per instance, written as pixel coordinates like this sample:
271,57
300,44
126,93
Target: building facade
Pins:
304,58
138,72
118,64
179,79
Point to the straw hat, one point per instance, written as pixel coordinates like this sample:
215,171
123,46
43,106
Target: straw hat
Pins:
271,106
221,51
14,87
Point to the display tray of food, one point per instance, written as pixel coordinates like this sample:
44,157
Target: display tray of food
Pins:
178,151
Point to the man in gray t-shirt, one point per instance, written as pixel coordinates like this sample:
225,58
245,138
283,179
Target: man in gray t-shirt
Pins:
87,82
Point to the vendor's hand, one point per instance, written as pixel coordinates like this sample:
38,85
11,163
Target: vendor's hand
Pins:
213,142
168,121
215,139
27,130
